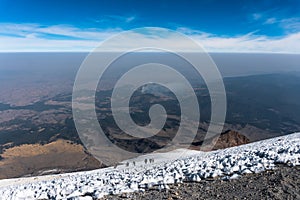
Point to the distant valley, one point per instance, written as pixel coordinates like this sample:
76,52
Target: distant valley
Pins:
259,107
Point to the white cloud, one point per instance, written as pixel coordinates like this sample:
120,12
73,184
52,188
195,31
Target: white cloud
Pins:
35,37
271,20
256,16
115,19
288,44
290,24
130,19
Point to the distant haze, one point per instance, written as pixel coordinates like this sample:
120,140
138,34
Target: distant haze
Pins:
67,64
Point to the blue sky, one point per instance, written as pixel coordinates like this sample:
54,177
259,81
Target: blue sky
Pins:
80,25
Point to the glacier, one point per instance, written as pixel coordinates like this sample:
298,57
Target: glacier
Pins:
168,168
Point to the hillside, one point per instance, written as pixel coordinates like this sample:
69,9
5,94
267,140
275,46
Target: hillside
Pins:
230,138
168,168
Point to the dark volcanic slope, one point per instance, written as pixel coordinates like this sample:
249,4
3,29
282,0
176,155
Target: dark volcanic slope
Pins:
282,183
269,102
230,139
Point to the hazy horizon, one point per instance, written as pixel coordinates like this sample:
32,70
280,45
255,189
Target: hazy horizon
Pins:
229,64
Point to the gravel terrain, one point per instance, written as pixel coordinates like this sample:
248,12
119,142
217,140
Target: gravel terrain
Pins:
280,183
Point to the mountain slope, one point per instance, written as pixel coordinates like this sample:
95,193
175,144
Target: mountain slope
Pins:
230,138
181,165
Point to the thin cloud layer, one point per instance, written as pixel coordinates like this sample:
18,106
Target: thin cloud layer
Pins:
36,37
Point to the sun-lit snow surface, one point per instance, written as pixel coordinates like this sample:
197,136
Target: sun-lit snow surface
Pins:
192,166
